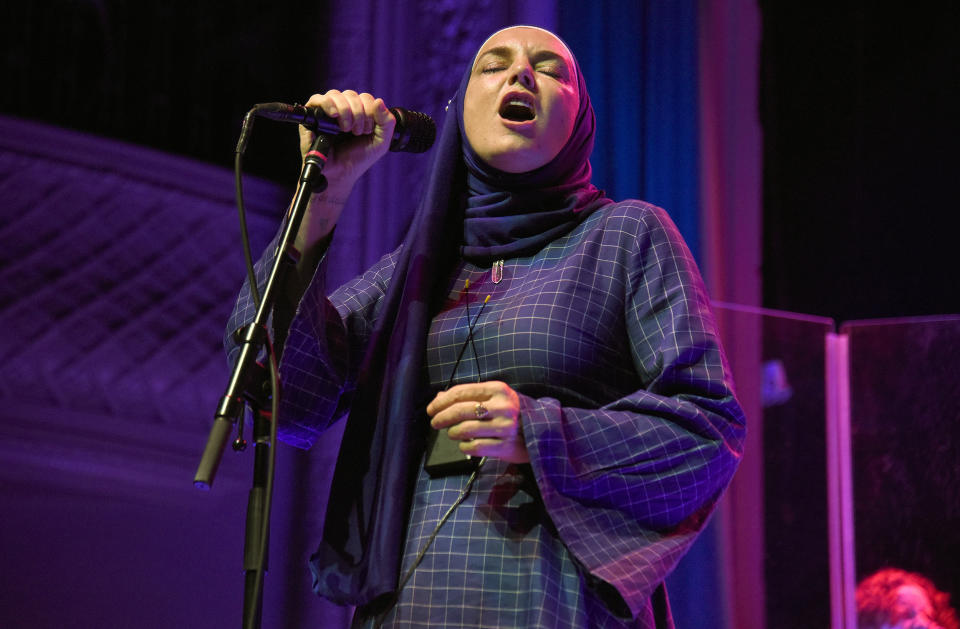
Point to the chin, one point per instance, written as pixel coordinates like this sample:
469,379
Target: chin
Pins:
517,159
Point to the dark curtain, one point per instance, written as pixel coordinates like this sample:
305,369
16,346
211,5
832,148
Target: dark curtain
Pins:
177,76
858,103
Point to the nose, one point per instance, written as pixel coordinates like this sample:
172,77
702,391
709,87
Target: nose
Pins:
522,73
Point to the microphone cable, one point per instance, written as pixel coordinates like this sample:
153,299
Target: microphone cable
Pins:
470,481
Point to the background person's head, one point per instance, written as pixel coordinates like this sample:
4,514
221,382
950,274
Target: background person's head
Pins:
896,599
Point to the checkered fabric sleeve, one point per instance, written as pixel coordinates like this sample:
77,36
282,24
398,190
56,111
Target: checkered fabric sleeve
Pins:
630,482
322,348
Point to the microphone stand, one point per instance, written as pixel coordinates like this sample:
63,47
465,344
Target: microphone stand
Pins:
248,382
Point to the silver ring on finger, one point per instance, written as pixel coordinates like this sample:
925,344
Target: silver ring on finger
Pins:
480,410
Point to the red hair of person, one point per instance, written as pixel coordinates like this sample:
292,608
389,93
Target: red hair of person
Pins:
880,602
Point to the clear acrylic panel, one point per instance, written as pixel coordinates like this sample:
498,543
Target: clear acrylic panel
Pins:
779,531
905,426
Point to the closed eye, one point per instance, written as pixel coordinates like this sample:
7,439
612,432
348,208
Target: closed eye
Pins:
553,70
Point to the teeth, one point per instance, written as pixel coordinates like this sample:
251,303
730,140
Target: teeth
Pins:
519,103
517,108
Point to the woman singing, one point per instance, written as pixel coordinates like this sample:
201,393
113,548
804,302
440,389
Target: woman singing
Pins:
590,389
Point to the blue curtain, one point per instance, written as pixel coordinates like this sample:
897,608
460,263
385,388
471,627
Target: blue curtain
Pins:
640,62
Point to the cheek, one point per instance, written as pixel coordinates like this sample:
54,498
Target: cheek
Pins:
473,123
565,117
469,122
571,106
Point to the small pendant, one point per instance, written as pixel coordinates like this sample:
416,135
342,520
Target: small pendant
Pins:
496,271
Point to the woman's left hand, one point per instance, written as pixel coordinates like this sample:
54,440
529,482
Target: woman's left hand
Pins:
484,417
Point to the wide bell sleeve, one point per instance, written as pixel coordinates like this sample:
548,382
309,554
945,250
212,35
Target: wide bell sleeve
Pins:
322,347
630,484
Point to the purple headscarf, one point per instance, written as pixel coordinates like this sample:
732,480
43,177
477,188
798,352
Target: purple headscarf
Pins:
501,215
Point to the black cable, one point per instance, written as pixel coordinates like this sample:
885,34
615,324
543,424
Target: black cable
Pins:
473,346
238,185
423,551
260,570
466,343
473,477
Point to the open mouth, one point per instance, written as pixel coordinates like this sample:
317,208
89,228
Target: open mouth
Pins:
517,108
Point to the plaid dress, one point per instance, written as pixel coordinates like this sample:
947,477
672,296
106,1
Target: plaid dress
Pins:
627,409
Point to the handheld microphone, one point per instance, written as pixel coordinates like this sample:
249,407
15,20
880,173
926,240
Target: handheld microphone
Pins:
414,133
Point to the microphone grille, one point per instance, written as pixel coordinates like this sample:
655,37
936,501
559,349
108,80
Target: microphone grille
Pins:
414,133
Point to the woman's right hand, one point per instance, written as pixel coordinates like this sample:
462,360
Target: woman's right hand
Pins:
370,127
367,127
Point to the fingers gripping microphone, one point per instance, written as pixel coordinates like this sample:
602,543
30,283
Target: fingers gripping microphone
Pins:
414,133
